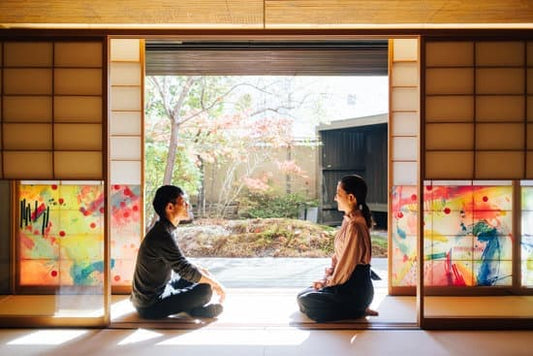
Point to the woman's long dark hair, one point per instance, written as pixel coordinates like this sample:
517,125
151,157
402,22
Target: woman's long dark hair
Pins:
356,185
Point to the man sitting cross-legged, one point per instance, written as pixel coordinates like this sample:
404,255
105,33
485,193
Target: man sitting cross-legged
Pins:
154,293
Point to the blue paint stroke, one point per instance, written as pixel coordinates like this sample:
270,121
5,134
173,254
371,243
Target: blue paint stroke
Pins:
488,273
81,275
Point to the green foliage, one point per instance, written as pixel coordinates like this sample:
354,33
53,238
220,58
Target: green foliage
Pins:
271,205
185,175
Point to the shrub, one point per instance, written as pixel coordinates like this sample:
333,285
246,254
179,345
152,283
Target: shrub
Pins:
271,205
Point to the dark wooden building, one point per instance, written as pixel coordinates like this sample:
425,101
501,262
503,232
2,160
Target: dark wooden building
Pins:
354,146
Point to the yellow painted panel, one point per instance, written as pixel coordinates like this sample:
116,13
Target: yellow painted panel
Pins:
449,165
27,81
500,108
450,137
78,54
449,54
28,54
500,81
27,109
449,108
27,165
77,137
508,53
78,165
449,81
500,136
500,165
27,136
77,109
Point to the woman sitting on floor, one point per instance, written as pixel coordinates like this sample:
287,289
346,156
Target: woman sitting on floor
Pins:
346,290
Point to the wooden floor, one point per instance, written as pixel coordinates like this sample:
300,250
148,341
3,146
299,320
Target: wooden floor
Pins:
270,308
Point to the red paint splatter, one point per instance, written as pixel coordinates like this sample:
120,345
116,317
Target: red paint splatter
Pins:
53,273
54,186
126,214
62,233
116,187
128,192
86,213
122,204
116,278
485,198
61,200
400,215
135,208
447,210
36,232
429,187
413,197
93,225
101,210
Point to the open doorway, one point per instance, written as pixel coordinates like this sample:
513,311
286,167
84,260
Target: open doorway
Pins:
251,126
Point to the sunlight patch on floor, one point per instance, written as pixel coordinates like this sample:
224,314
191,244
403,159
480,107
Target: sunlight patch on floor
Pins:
48,337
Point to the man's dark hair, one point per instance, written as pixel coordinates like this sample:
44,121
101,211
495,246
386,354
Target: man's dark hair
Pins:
164,195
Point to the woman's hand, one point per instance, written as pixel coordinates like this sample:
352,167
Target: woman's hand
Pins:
319,284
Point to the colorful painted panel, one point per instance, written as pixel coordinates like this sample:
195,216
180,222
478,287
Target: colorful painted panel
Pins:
527,236
467,238
467,235
125,232
404,236
60,234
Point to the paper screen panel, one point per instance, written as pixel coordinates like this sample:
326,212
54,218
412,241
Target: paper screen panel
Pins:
125,123
27,108
405,173
449,165
500,81
28,81
449,108
125,73
78,164
125,50
449,81
77,109
126,148
28,164
500,136
506,53
405,74
449,54
126,98
78,137
27,136
78,54
500,108
404,148
405,49
405,99
78,81
499,165
125,172
28,54
449,136
404,124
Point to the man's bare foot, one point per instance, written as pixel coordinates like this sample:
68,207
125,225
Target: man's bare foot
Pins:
371,312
